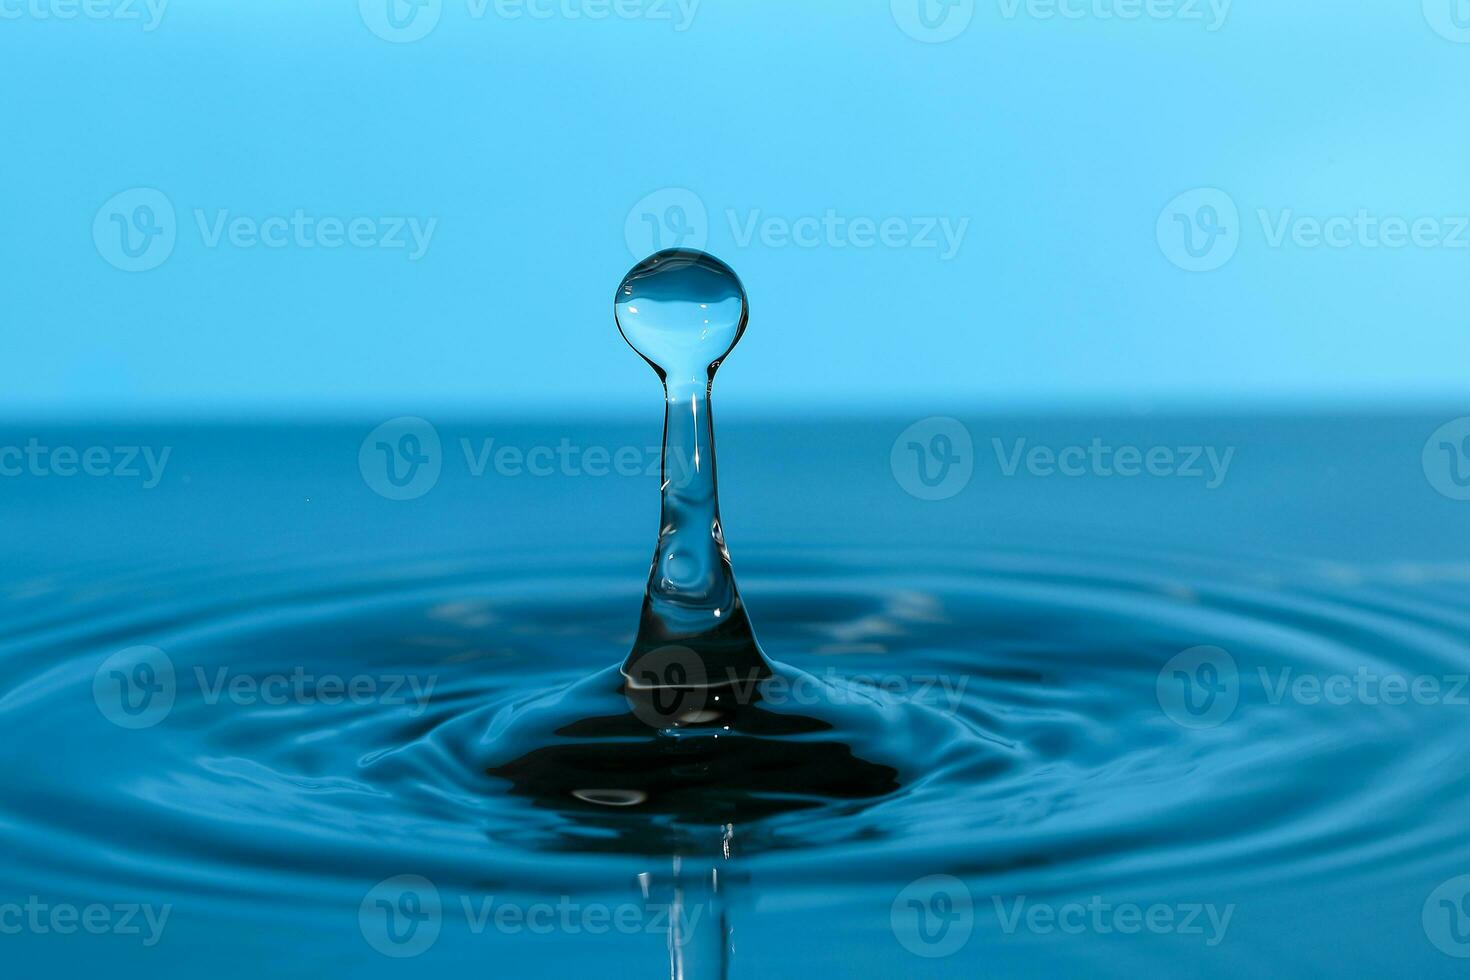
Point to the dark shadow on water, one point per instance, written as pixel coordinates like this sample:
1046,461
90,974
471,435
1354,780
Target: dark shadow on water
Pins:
630,787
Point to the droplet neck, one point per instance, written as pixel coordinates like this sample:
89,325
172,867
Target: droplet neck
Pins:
683,312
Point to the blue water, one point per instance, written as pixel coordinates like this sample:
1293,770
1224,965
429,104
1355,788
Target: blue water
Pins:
1041,738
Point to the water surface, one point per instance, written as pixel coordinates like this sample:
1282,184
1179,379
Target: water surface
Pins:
271,700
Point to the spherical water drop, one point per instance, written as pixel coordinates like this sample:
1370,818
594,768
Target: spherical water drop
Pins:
682,311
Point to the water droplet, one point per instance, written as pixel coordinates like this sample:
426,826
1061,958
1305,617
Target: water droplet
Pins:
683,311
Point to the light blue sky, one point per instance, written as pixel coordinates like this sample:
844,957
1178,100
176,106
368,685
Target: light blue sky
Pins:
1053,143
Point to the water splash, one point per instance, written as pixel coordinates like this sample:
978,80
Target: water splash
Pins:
683,312
697,748
688,736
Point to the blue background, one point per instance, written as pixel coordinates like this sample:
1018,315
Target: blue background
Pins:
532,141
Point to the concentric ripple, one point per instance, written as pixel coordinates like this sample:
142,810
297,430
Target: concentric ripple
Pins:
1045,722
